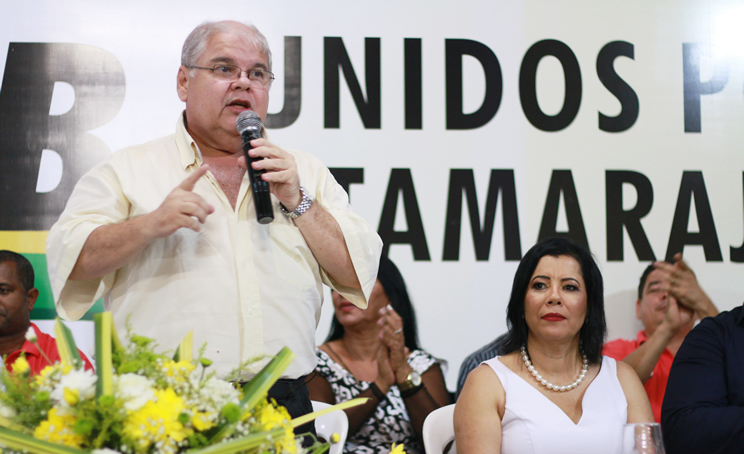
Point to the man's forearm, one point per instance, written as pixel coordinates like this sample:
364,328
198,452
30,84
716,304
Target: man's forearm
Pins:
110,247
326,241
644,358
707,309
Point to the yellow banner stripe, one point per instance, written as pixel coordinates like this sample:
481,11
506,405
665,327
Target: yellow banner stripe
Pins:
24,242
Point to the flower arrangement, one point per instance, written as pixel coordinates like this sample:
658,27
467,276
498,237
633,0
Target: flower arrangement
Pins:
142,402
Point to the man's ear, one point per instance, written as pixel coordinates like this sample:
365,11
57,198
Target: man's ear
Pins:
182,83
31,296
638,309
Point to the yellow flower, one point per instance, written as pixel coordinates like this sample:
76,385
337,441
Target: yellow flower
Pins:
179,370
270,416
202,420
397,449
59,429
48,373
45,373
157,422
20,366
72,396
335,438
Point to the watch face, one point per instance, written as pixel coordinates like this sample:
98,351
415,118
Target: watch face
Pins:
415,378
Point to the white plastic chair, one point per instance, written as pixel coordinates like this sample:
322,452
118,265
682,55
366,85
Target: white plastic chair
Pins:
439,430
333,422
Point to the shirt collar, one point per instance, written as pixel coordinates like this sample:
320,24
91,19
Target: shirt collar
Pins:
187,147
642,336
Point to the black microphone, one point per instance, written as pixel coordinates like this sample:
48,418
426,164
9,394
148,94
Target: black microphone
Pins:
248,125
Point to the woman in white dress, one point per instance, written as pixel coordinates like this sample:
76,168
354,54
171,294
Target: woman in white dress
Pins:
553,391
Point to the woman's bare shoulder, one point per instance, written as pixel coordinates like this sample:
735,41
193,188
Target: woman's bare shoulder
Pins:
626,373
482,382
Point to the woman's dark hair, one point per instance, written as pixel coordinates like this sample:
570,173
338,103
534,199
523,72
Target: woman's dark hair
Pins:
594,330
395,289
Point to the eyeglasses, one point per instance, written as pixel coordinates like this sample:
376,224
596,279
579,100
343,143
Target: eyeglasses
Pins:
231,72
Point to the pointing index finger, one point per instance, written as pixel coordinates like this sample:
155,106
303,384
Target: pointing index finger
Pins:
190,181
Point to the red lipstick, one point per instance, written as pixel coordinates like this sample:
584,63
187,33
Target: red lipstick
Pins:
553,317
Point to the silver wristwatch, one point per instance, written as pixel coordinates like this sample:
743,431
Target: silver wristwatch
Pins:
305,204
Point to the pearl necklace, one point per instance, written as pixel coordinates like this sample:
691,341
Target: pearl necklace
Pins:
546,383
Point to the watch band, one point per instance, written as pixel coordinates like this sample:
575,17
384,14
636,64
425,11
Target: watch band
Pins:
377,391
305,204
410,392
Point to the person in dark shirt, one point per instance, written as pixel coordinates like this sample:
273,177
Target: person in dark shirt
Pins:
703,409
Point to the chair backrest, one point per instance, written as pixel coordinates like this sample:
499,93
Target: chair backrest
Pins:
333,422
439,430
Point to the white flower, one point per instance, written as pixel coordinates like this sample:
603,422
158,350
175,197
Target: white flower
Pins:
136,390
81,383
7,412
105,451
218,392
31,334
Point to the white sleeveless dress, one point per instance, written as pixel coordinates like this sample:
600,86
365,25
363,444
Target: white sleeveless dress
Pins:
532,424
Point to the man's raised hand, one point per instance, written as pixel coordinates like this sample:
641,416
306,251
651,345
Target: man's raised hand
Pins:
281,171
181,208
681,283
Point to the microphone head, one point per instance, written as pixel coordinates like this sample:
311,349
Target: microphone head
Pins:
248,120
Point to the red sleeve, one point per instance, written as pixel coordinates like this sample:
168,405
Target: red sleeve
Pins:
86,361
619,349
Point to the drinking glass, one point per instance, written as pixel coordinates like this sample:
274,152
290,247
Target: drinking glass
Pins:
642,438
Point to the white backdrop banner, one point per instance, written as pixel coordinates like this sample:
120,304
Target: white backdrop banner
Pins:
464,131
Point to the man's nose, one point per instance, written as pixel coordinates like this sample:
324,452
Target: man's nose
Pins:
242,81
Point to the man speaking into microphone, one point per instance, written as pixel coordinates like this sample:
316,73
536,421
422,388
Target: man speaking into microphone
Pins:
167,232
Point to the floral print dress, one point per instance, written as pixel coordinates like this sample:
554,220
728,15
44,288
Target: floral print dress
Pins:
390,422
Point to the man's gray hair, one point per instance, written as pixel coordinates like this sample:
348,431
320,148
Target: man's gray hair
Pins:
196,42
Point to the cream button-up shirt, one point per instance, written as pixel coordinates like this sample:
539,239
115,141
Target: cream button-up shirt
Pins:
245,289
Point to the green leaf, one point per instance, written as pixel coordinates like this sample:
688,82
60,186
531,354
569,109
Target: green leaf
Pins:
116,343
241,444
68,351
304,419
104,361
185,350
257,388
21,442
5,422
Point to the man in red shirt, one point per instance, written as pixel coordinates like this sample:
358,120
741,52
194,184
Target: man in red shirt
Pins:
669,300
17,298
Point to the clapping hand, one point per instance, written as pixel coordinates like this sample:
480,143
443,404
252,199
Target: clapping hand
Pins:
682,285
677,315
391,336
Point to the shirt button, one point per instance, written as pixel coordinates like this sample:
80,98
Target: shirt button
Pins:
250,311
